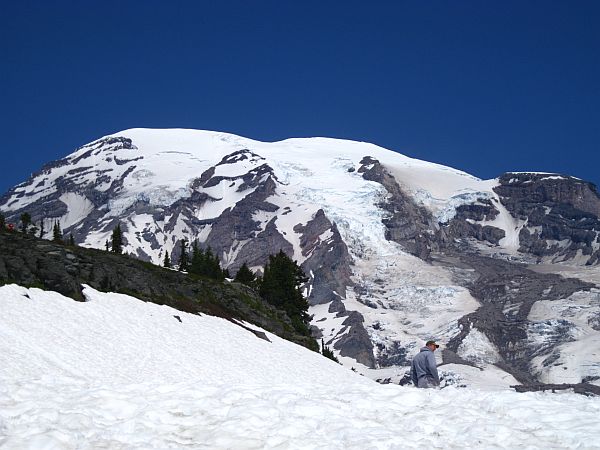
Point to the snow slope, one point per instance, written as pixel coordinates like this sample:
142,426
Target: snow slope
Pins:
115,372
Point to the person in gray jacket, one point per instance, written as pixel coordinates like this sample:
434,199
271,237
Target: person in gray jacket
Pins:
423,371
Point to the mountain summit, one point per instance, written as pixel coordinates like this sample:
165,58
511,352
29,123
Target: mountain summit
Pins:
397,250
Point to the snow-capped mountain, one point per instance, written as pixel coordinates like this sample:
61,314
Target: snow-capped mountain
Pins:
397,250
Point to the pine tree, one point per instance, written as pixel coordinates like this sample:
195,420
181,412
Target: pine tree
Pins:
281,286
167,260
57,233
42,230
2,222
213,266
71,240
197,260
205,264
184,262
25,221
327,352
107,245
245,276
117,240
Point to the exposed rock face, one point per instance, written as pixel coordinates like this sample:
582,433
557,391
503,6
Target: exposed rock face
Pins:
463,224
560,214
507,293
355,342
407,223
328,261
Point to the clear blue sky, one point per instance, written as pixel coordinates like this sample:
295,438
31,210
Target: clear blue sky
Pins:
483,86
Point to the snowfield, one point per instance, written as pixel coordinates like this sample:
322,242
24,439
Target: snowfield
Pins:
117,373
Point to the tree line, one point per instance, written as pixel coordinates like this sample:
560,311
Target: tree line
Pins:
28,227
281,283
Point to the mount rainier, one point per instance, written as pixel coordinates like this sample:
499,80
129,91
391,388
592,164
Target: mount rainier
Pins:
504,272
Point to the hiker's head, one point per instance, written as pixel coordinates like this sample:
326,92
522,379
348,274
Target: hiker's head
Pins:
431,345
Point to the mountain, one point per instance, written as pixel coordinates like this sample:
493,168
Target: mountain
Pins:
504,272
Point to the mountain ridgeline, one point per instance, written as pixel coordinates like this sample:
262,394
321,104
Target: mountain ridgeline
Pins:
395,250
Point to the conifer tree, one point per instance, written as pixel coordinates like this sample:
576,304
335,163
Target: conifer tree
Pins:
42,230
206,264
245,276
117,240
25,221
184,262
197,260
107,245
57,233
2,222
213,266
281,286
71,240
167,260
327,352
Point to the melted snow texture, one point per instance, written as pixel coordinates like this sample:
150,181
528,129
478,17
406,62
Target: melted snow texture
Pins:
115,372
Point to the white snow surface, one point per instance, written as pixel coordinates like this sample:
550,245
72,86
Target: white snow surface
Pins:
115,372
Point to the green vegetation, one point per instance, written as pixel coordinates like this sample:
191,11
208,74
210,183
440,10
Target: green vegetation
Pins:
327,352
117,240
25,221
184,262
57,233
281,286
245,276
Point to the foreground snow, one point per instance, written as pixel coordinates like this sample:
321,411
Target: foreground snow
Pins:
118,373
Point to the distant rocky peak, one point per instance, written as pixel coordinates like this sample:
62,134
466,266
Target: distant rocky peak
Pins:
241,155
243,168
105,146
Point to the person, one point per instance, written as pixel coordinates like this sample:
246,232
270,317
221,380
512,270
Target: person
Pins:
423,371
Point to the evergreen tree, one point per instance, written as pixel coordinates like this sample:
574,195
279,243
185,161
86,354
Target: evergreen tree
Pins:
107,245
213,266
281,286
71,240
197,261
117,240
167,260
2,222
25,221
327,352
226,273
57,233
205,264
245,276
42,230
184,262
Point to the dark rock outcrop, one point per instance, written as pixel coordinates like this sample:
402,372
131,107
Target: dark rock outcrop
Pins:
328,261
407,223
355,342
507,292
561,214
